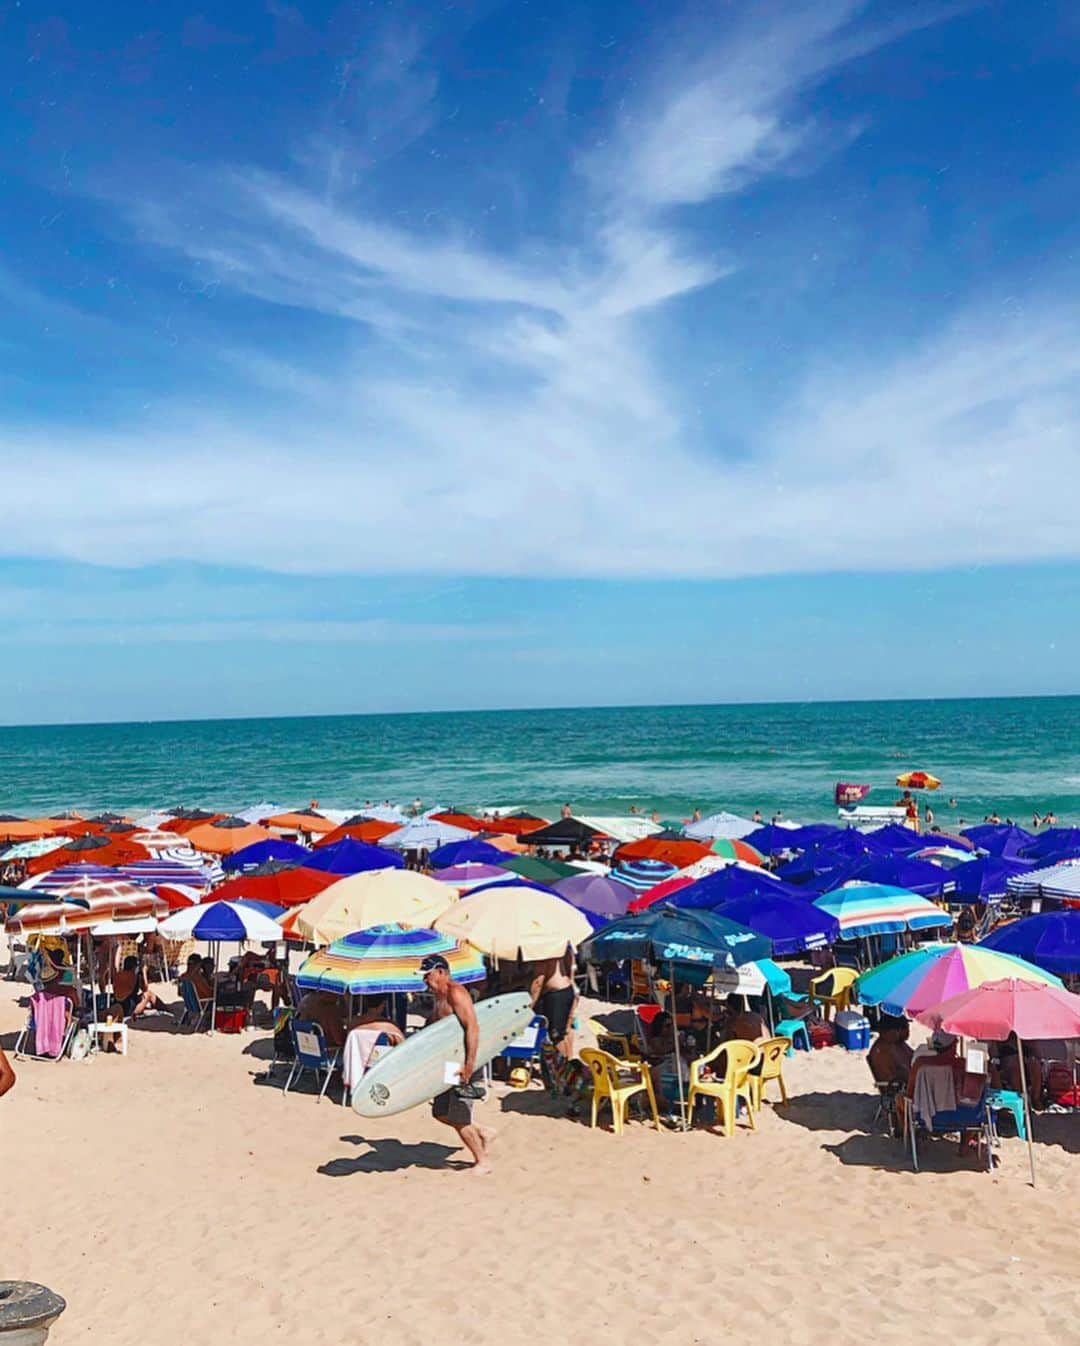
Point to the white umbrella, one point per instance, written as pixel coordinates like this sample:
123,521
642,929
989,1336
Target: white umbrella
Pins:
424,835
728,825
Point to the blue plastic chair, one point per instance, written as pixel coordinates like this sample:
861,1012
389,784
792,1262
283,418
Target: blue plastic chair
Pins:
312,1053
1005,1100
526,1046
976,1117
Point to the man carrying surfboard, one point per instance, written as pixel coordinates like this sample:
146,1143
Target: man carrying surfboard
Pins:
453,1107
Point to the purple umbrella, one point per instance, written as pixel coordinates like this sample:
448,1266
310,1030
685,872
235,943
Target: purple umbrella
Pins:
597,893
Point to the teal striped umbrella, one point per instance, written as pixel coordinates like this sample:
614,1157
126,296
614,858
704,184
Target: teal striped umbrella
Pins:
385,959
879,909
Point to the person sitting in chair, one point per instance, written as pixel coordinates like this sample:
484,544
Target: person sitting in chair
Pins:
133,995
196,975
743,1023
889,1058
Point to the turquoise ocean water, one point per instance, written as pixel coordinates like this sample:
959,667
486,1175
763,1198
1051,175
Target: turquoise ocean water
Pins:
1015,755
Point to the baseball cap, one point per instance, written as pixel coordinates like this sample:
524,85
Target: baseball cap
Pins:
433,962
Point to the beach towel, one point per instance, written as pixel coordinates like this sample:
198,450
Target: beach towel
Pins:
50,1020
356,1057
934,1091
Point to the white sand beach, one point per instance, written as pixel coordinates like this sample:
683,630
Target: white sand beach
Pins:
173,1196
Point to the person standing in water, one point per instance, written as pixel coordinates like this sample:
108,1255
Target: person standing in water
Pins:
453,1107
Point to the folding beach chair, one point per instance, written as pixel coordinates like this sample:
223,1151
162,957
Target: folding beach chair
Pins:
28,1034
312,1053
969,1117
195,1010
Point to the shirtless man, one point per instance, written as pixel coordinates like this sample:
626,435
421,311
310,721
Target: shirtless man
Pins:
449,1107
554,995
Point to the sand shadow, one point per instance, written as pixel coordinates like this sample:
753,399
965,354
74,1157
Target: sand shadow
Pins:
391,1156
1054,1128
261,1049
843,1110
938,1154
533,1103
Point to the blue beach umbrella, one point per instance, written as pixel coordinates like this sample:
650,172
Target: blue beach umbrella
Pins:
229,922
349,856
1002,839
641,875
469,851
791,924
985,877
731,882
276,848
917,876
894,837
1053,841
666,934
771,840
1050,940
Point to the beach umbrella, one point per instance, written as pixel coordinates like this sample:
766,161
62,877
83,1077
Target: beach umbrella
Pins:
897,871
30,850
280,885
99,850
64,876
455,818
846,847
709,892
990,1012
300,820
722,824
349,856
505,842
423,834
893,837
375,897
149,873
469,851
918,780
386,960
156,839
595,893
564,832
82,905
1002,839
1060,880
729,849
985,877
177,896
225,835
370,830
770,839
1052,842
677,853
275,848
530,867
696,941
791,924
1049,939
914,981
947,857
28,829
954,840
515,920
471,875
865,909
643,875
183,820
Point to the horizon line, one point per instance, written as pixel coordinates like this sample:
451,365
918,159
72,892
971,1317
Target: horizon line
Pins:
545,710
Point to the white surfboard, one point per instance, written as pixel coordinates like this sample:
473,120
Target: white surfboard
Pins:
423,1065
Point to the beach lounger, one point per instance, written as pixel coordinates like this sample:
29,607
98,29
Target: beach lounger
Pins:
195,1010
47,1030
312,1054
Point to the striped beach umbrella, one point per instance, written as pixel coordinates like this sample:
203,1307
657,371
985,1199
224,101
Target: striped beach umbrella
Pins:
385,959
731,848
914,981
224,922
864,909
97,900
1060,880
641,875
149,873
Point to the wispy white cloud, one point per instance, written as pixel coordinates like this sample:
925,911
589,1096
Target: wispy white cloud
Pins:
512,411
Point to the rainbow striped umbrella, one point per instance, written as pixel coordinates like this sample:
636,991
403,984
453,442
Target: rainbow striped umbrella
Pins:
879,909
734,849
385,959
915,981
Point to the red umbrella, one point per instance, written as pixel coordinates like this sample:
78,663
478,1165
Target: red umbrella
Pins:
660,891
285,887
997,1008
677,853
90,848
372,831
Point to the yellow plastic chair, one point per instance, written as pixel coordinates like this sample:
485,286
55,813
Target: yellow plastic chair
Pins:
832,990
731,1064
769,1067
618,1082
623,1046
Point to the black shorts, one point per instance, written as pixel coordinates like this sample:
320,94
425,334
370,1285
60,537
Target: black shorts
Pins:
452,1108
556,1007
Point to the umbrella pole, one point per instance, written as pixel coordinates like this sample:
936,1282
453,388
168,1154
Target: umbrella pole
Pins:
678,1057
215,945
1027,1109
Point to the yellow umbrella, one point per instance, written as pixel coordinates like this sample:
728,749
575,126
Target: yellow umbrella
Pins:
373,897
512,920
918,780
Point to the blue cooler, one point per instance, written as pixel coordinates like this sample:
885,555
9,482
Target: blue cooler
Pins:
852,1031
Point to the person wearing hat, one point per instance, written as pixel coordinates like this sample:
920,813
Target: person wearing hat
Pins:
453,1107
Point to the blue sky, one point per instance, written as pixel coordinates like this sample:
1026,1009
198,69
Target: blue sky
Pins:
363,357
